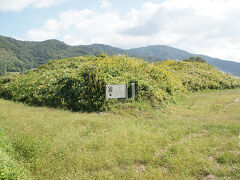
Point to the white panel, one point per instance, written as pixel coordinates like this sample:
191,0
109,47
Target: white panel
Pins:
116,91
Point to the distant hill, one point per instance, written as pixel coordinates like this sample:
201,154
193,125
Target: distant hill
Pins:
159,52
162,52
23,55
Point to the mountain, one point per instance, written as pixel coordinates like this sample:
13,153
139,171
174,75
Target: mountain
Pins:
23,55
162,52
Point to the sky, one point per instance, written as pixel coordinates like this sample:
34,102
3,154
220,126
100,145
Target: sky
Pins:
209,27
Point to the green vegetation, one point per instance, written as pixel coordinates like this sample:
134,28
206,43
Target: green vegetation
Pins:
25,55
195,59
195,76
79,83
1,67
196,138
161,52
9,167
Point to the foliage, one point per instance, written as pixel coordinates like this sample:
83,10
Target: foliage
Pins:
25,55
79,83
195,59
1,67
199,76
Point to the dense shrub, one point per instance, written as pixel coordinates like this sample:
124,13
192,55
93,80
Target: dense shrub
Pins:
79,83
195,59
198,76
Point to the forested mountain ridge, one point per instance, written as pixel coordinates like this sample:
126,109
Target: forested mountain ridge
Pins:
162,52
23,55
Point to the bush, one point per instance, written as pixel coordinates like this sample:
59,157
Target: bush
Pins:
79,83
197,76
195,59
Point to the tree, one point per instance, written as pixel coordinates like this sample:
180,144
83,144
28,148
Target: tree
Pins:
3,61
195,59
101,55
1,67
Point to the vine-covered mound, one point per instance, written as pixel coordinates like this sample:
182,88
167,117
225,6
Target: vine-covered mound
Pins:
79,83
196,76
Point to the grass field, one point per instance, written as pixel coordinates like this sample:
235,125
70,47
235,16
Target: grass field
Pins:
196,138
9,168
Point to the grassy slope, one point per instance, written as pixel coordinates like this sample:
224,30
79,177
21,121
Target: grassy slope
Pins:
196,138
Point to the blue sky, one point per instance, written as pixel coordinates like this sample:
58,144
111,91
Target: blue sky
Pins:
17,23
209,27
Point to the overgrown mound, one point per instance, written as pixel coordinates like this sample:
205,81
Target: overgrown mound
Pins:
199,76
79,83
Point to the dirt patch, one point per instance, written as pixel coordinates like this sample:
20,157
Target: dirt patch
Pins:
139,168
233,103
210,177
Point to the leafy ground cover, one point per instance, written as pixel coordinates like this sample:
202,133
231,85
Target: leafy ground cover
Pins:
79,83
199,76
195,138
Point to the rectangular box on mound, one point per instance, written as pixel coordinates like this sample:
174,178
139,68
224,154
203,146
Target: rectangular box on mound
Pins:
116,91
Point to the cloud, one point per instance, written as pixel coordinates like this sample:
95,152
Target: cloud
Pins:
48,31
208,26
105,4
81,27
18,5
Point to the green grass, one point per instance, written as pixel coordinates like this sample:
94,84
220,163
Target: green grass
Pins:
9,167
195,138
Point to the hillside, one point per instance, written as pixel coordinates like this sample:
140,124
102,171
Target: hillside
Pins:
23,55
79,83
161,52
158,53
196,138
